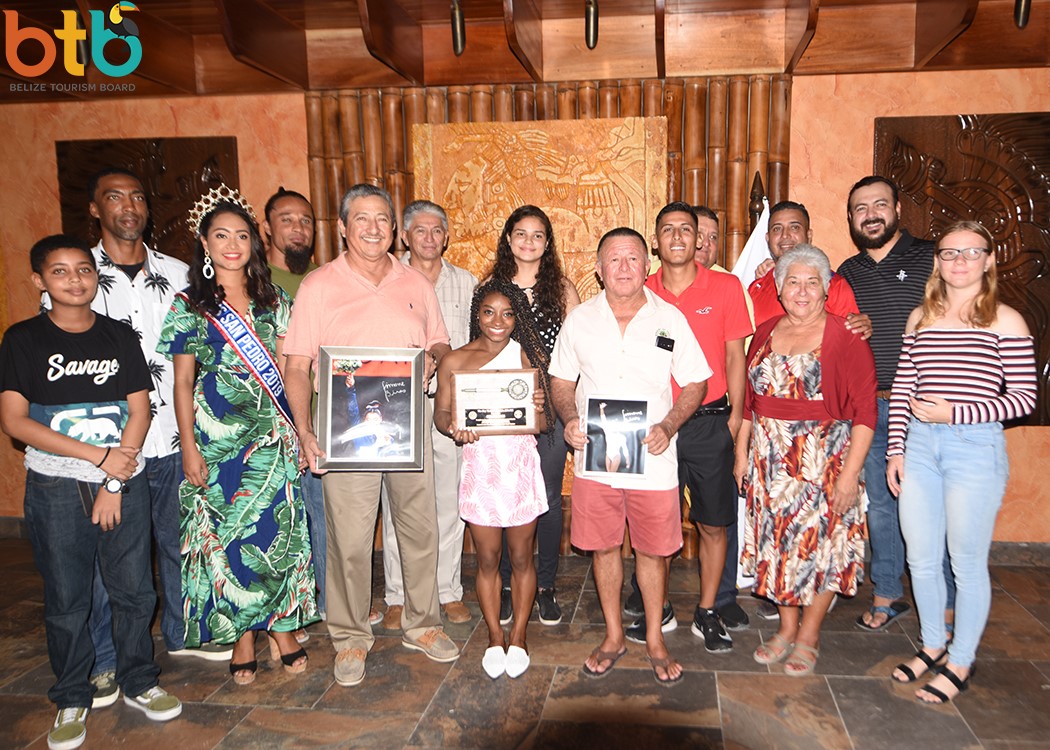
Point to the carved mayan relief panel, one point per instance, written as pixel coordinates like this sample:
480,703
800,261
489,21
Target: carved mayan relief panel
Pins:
994,169
175,172
587,175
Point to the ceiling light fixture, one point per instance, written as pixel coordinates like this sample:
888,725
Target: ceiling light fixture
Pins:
1021,10
590,23
459,29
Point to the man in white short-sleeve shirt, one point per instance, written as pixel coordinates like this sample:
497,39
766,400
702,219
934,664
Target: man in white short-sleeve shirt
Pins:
624,345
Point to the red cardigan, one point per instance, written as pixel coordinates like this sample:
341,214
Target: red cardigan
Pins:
847,371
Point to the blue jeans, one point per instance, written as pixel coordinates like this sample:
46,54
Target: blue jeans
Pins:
65,547
954,480
313,497
884,530
553,452
100,624
163,476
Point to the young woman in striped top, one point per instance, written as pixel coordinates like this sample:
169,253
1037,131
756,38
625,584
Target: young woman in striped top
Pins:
967,364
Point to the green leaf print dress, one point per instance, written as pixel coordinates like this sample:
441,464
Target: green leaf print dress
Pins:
246,560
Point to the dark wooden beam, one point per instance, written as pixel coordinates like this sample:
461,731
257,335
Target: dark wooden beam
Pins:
524,24
660,13
994,41
167,51
260,37
800,23
393,36
937,24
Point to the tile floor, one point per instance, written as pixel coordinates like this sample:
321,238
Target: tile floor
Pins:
725,701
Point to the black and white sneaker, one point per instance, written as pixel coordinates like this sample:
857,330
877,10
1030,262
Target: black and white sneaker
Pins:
506,607
636,633
706,625
550,612
767,610
634,607
733,616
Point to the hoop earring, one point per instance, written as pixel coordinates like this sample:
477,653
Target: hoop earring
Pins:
209,270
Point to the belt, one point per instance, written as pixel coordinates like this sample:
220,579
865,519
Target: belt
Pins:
719,407
883,394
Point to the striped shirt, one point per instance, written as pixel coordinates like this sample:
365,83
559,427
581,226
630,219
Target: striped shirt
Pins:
455,292
887,292
988,377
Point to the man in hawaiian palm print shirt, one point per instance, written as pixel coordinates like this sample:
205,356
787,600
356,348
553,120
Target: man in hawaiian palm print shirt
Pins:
136,285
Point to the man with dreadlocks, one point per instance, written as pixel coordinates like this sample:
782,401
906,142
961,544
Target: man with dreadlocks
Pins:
502,487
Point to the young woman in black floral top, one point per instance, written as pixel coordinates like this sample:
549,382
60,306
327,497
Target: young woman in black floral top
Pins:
526,256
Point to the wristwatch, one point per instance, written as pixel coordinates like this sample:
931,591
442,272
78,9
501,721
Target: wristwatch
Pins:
114,485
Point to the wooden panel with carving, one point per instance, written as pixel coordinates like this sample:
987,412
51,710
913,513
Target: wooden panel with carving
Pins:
175,172
588,176
994,169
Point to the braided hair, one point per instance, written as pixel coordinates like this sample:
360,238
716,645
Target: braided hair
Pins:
525,333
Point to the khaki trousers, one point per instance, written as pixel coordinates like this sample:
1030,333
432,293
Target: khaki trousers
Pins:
447,462
351,503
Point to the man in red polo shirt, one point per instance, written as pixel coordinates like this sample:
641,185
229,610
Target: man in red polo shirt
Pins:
714,305
788,226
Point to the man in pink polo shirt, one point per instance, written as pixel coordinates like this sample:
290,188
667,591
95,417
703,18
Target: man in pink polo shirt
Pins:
367,298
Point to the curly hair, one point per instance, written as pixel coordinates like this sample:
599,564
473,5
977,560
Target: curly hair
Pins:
985,306
525,333
207,294
549,291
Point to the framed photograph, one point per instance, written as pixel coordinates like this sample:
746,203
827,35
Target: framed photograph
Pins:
495,402
615,429
370,408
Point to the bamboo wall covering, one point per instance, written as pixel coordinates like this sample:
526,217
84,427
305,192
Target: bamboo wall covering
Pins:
720,133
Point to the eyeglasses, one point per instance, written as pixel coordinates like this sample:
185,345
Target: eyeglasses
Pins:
970,253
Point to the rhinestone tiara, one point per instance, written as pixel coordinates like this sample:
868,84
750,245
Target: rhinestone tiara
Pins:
221,194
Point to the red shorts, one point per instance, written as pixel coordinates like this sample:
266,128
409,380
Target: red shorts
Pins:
600,511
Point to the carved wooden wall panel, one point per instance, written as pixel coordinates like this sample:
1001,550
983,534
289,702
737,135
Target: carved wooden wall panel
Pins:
994,169
175,172
588,176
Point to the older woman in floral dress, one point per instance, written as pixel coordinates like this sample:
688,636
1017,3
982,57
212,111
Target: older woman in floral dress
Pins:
808,424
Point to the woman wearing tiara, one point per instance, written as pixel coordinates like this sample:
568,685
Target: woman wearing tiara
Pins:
246,562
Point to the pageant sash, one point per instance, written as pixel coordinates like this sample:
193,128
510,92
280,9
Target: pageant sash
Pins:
256,357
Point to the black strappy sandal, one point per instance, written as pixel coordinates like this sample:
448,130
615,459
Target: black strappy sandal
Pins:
962,685
931,662
249,666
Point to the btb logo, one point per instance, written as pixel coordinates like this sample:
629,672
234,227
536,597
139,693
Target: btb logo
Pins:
104,28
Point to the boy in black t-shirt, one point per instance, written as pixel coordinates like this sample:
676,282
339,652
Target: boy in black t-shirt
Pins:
74,387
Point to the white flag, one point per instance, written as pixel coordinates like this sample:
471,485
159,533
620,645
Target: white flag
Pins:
755,250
